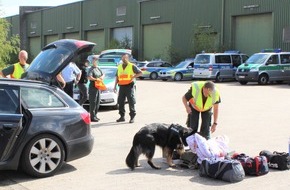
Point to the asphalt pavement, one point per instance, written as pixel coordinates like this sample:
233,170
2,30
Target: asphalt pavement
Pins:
254,118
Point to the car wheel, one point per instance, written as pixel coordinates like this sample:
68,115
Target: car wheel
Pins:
178,77
243,82
141,78
153,76
263,79
43,156
218,78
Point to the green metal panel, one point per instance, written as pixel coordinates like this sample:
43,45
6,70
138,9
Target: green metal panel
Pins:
280,19
74,35
34,24
157,39
50,38
97,37
253,33
34,46
15,25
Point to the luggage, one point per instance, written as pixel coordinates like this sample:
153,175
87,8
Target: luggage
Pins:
226,170
257,165
277,160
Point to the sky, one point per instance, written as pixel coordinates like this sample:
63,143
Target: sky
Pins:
11,7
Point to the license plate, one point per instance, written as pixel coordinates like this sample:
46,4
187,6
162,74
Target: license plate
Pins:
241,77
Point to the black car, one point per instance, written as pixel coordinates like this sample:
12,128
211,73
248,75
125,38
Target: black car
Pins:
41,127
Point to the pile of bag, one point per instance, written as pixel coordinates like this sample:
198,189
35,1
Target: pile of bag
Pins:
214,159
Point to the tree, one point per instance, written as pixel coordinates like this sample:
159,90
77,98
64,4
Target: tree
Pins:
9,48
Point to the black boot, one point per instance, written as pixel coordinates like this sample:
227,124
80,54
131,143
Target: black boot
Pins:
121,119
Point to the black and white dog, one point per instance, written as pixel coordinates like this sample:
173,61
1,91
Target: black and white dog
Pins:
168,137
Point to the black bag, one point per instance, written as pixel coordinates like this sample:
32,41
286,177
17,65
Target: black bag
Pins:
226,170
257,165
189,160
277,160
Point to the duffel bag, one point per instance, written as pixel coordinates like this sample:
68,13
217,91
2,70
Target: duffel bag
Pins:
226,170
253,166
277,160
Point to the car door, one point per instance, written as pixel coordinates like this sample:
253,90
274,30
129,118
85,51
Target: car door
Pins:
54,57
10,119
285,66
273,68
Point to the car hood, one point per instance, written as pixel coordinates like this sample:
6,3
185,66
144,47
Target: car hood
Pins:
54,57
248,66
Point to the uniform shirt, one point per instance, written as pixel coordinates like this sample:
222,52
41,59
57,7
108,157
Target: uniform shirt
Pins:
94,72
70,72
10,69
84,78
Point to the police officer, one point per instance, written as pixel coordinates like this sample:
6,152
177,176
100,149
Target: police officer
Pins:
17,69
94,74
200,98
126,75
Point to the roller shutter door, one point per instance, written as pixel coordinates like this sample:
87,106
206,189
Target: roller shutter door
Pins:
253,33
34,47
97,37
157,39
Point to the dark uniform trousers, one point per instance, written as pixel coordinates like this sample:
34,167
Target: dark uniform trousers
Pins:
205,122
127,91
94,98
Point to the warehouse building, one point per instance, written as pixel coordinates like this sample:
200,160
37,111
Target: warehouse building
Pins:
159,28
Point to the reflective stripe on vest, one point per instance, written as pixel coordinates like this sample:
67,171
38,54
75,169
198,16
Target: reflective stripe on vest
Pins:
18,71
125,75
197,102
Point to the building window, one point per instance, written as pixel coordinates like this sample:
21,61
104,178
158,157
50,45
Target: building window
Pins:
286,34
121,11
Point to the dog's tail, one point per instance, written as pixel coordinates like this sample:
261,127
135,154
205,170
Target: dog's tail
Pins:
132,158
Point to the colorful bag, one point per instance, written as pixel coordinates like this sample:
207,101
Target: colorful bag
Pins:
253,166
226,170
277,160
99,84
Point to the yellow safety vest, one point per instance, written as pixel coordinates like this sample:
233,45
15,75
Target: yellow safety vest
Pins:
125,75
197,102
18,71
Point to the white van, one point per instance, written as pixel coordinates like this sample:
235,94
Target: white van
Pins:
217,66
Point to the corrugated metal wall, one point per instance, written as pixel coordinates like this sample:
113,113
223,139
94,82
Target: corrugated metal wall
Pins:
183,15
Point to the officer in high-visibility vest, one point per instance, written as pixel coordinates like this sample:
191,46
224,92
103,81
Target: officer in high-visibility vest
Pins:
126,75
17,69
199,100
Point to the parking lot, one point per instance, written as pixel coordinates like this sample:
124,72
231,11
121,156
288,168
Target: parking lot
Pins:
254,118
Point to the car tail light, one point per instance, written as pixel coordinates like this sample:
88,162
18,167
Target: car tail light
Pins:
210,68
86,117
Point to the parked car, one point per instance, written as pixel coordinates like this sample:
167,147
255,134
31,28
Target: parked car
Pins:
151,69
218,66
112,57
182,71
108,96
266,66
41,127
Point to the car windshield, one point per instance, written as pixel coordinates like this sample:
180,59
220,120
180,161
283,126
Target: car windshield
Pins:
257,59
109,72
202,59
49,60
182,64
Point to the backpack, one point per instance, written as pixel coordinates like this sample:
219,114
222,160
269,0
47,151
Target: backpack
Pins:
253,166
226,170
189,160
277,160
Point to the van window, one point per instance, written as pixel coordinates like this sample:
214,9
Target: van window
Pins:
223,59
273,60
202,59
236,60
285,59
